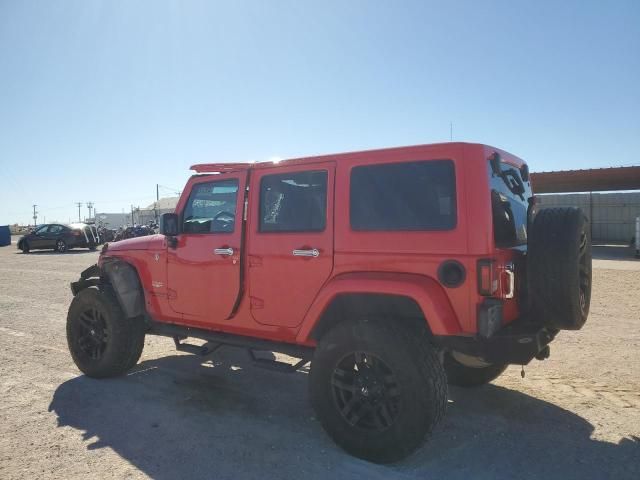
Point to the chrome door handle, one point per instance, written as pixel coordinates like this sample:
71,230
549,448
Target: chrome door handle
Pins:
223,251
307,253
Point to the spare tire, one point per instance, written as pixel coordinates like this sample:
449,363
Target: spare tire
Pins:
559,268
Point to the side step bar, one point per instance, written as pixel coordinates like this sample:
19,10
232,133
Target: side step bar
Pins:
206,349
179,332
276,365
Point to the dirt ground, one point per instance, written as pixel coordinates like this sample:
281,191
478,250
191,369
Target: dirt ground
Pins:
575,415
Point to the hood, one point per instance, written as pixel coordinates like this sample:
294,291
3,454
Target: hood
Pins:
150,242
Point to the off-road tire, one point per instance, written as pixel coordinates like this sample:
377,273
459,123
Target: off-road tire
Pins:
559,268
420,380
124,336
462,375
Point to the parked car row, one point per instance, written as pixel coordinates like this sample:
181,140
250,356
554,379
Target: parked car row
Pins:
60,237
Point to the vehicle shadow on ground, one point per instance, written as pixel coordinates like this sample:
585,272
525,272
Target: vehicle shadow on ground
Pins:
175,418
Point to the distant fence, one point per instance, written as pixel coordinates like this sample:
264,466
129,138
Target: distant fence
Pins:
612,215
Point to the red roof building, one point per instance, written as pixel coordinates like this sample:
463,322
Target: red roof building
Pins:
593,180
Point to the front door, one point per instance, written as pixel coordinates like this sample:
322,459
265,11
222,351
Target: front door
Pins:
291,240
203,267
39,238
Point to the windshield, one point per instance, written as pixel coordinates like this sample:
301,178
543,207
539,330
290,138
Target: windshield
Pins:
510,200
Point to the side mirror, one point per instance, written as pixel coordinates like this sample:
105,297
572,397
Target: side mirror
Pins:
169,224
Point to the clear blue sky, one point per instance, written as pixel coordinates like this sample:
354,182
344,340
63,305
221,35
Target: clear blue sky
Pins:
101,100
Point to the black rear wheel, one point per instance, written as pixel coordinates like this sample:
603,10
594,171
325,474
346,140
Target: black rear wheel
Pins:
366,391
61,246
377,388
102,341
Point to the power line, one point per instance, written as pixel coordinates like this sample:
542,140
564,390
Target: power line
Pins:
171,189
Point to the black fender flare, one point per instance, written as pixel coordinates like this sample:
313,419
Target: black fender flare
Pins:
124,280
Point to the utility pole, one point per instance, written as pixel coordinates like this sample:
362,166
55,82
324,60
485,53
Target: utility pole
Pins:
89,206
132,216
79,205
157,205
35,216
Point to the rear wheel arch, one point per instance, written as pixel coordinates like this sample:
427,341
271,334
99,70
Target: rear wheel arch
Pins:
417,298
347,307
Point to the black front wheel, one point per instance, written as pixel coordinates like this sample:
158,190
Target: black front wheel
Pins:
24,246
102,341
377,388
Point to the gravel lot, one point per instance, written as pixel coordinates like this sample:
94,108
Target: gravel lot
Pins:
575,415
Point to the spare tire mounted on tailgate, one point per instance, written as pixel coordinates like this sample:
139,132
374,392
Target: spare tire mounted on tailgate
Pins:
559,268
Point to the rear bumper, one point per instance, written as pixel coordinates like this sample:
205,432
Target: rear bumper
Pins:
517,343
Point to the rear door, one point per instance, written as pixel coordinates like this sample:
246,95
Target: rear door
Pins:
54,233
203,270
291,240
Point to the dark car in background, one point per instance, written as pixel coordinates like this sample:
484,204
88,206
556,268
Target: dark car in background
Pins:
60,237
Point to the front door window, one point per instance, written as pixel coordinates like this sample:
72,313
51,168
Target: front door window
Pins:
211,208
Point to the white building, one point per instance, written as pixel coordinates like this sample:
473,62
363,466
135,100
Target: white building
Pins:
139,216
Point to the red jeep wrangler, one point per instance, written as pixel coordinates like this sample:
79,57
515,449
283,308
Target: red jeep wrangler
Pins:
394,272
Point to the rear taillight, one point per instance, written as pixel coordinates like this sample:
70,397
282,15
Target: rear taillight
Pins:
488,279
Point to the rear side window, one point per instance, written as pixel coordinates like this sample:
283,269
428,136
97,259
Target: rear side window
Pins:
293,202
404,196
